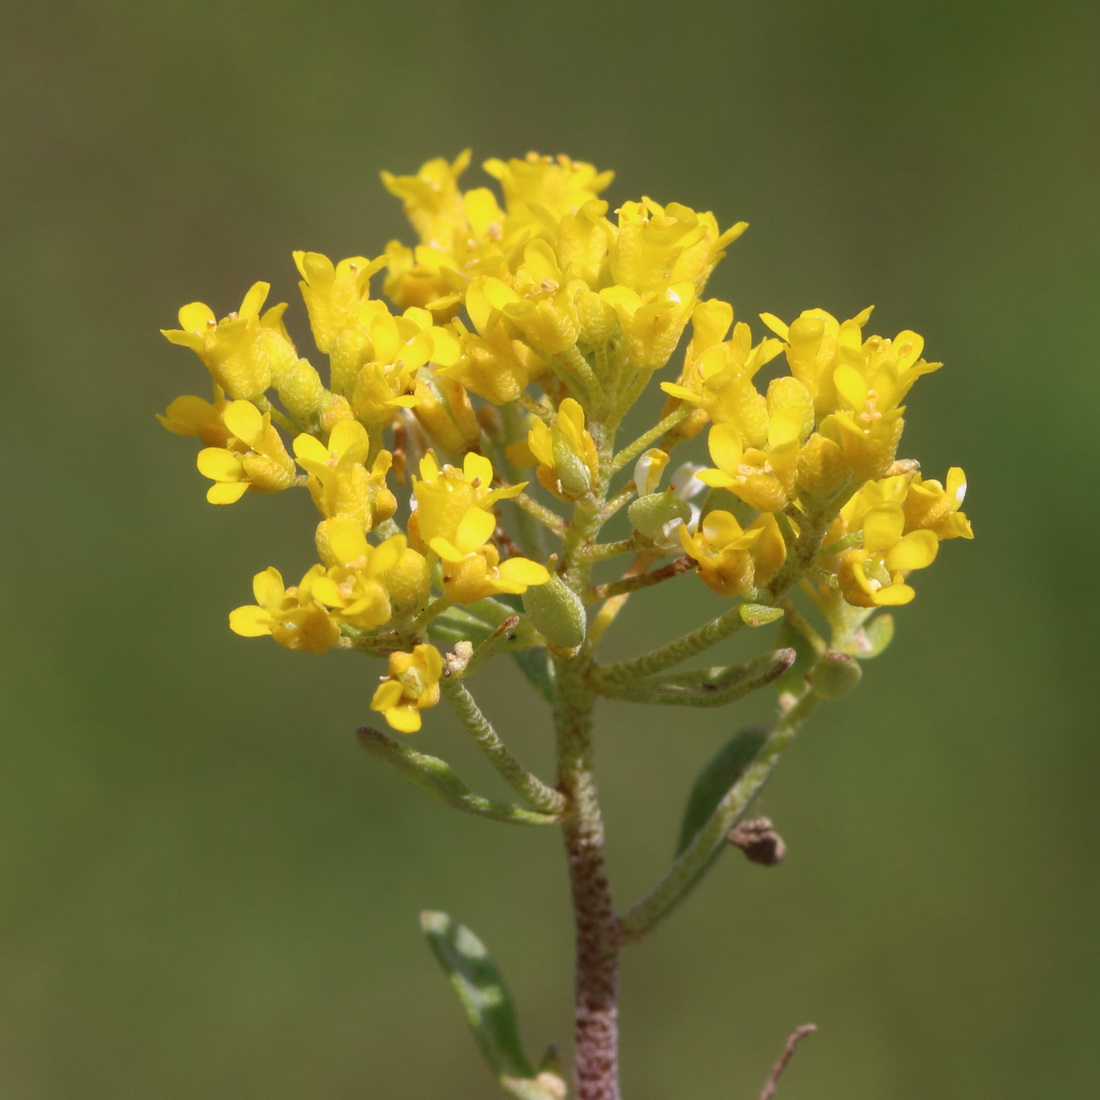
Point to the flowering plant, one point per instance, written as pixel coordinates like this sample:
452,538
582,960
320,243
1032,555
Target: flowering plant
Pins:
464,457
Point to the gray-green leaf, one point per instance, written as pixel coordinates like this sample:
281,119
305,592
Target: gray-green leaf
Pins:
487,1007
438,778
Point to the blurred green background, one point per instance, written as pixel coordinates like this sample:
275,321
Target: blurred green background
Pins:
208,891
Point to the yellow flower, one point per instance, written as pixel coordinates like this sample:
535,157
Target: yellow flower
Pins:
495,365
568,464
339,482
411,686
292,616
334,294
255,458
399,347
817,343
763,479
932,507
445,496
245,352
652,323
433,202
353,586
719,378
874,576
731,560
540,183
472,569
660,246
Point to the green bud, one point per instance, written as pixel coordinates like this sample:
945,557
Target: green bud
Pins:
302,391
569,467
759,614
557,612
649,514
835,675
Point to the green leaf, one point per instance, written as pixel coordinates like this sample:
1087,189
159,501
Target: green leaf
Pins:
437,777
487,1007
535,665
717,777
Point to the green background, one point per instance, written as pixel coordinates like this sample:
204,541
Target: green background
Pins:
208,891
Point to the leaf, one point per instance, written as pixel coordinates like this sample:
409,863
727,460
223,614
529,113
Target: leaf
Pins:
487,1006
438,778
717,777
535,665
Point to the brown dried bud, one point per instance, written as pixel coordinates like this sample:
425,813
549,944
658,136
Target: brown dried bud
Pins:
759,841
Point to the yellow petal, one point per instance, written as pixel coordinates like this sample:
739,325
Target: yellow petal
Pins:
447,550
308,448
245,421
475,529
917,550
387,695
523,571
194,317
218,464
478,468
851,385
268,587
226,492
882,527
346,540
250,621
724,443
403,719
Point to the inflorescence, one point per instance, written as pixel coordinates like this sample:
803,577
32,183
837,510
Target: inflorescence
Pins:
461,452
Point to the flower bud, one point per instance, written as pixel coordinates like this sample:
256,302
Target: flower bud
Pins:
650,515
834,675
302,391
557,612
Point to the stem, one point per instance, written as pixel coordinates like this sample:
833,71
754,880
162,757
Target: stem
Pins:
598,937
513,772
597,930
546,516
633,582
634,449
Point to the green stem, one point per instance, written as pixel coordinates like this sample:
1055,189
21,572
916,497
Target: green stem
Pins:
643,441
601,551
642,580
544,515
532,788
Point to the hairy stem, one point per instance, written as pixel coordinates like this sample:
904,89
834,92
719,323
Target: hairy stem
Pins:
598,938
597,929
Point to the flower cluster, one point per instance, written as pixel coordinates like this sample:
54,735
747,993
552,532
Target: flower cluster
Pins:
515,334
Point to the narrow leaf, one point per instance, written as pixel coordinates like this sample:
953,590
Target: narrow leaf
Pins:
717,777
438,778
535,665
487,1006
